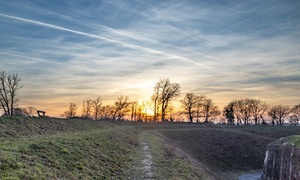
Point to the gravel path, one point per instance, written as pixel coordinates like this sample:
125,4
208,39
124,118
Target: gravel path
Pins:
147,162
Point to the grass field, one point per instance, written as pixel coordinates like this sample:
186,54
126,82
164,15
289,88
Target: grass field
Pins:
35,148
85,154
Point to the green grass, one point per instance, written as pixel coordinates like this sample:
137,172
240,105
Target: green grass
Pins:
169,163
46,148
97,150
274,132
293,140
20,127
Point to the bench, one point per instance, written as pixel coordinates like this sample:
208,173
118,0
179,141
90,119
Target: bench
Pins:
41,113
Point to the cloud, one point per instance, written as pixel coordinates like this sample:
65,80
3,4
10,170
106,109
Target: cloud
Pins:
128,45
225,49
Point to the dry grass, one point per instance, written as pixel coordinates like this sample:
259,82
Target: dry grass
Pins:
227,150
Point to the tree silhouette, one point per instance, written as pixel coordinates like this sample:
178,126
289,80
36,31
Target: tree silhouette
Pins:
29,111
96,105
155,99
295,117
121,105
71,112
258,108
164,91
245,110
9,84
190,104
229,113
283,111
209,110
87,108
133,108
107,112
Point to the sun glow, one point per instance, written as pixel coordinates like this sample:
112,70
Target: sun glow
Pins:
146,106
149,112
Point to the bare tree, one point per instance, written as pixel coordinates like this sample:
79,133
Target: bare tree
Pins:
9,84
133,107
210,110
168,91
295,116
107,112
156,102
87,108
191,103
164,91
273,114
19,112
71,112
229,112
121,105
96,105
245,110
235,111
279,113
283,112
29,111
170,111
139,113
244,106
199,111
242,110
258,109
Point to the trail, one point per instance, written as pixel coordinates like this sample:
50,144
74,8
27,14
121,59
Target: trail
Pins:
146,161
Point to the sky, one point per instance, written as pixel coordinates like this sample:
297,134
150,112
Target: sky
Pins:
71,50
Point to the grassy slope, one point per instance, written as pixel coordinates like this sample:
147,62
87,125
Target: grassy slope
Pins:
274,132
34,148
293,140
54,148
20,127
228,150
169,163
79,150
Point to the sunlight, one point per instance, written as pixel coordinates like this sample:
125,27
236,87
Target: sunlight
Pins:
149,112
147,106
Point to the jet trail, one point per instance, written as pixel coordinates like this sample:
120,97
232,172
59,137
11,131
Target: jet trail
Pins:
148,50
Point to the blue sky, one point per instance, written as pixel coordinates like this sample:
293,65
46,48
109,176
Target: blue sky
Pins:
68,51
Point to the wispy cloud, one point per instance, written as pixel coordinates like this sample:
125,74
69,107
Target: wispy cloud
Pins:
148,50
80,50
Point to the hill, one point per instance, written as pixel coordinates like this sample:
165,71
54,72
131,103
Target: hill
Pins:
227,151
71,149
47,148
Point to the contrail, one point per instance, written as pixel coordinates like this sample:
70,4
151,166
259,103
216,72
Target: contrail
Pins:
148,50
32,58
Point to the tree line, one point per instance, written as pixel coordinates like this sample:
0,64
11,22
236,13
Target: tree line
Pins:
194,108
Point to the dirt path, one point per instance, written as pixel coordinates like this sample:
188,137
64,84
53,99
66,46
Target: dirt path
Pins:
146,161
